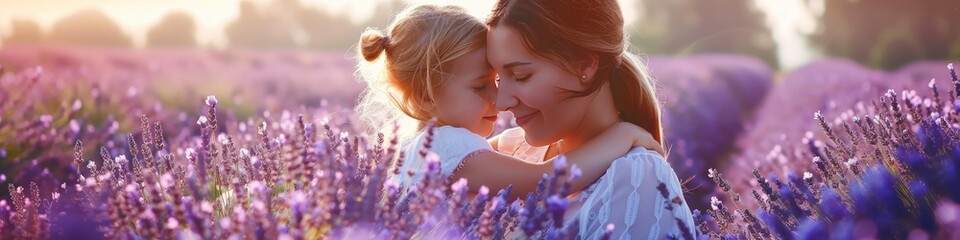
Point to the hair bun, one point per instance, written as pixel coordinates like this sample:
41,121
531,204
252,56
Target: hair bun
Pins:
372,43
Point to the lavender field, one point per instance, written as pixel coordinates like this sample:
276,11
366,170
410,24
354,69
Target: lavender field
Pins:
145,144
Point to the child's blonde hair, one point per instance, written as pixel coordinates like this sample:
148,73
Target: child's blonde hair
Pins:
405,67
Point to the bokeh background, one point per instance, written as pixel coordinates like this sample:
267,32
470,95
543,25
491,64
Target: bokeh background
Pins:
739,79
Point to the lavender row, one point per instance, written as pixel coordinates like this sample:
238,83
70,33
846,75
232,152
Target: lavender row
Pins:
283,176
887,170
707,97
707,100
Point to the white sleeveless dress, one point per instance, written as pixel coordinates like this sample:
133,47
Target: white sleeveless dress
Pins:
625,196
451,144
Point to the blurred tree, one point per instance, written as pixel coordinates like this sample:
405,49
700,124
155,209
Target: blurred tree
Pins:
88,28
24,32
681,27
176,29
345,34
384,13
292,24
320,28
257,28
890,33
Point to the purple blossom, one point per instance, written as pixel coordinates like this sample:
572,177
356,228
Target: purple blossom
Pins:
211,101
557,206
560,163
46,120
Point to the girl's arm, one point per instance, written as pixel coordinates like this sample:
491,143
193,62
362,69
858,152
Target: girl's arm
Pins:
497,171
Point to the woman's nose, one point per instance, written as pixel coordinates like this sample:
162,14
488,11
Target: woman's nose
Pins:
505,98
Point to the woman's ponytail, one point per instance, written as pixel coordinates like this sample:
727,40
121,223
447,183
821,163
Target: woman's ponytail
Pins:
634,95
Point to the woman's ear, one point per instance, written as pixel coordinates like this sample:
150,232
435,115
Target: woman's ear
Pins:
587,67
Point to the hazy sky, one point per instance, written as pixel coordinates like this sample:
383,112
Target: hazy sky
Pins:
789,18
136,16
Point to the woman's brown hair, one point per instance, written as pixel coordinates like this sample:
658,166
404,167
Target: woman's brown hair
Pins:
565,31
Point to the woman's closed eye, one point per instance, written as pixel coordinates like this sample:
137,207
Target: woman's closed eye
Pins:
522,78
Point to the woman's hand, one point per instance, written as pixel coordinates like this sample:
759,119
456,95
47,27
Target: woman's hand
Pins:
641,137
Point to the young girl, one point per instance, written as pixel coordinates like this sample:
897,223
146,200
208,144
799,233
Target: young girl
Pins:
432,64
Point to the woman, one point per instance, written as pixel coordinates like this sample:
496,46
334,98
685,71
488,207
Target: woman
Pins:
565,74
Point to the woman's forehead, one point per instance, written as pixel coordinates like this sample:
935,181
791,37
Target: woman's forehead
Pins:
504,44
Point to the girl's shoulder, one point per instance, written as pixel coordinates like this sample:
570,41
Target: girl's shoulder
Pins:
455,132
444,137
455,140
452,145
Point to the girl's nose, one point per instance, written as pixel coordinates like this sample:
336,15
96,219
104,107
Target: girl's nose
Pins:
491,94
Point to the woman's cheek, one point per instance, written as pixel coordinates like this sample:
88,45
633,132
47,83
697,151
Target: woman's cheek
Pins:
543,99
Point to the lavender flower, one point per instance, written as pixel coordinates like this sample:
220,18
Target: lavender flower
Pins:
557,206
211,101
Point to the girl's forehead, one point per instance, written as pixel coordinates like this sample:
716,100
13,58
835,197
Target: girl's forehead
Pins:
473,64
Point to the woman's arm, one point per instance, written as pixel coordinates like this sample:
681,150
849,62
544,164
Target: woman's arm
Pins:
497,171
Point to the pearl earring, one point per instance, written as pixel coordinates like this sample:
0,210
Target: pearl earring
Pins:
584,76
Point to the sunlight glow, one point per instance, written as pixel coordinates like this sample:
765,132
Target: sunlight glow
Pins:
790,20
